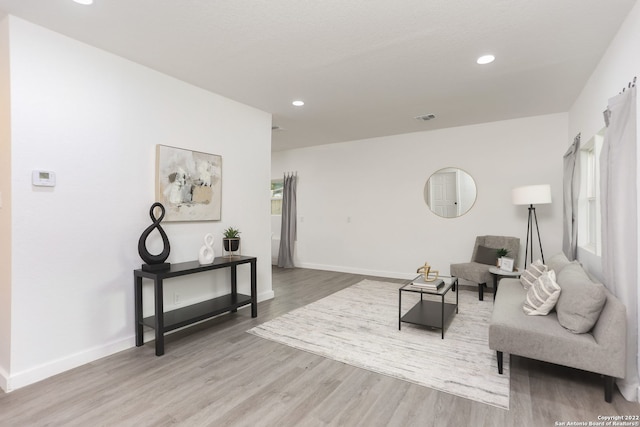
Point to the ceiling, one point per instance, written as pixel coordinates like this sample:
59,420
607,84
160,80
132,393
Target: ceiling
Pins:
364,68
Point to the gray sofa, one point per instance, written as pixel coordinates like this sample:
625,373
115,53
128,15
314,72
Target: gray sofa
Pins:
601,350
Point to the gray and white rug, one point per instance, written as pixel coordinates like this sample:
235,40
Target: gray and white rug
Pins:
359,326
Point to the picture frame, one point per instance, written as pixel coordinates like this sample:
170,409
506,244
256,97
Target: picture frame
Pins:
188,184
506,264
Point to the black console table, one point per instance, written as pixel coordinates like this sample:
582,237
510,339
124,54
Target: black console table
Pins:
164,322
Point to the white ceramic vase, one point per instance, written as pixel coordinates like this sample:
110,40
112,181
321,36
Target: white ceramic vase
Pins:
207,253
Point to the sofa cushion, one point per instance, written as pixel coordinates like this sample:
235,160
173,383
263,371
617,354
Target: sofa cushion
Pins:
542,295
486,255
531,274
558,262
581,300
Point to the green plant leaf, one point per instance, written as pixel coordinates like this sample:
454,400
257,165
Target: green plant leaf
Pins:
502,252
231,233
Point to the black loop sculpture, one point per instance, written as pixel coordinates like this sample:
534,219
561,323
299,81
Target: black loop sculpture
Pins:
154,262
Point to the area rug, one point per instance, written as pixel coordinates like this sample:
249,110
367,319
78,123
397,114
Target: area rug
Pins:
359,326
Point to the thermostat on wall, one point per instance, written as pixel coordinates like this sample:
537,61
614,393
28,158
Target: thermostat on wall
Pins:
43,178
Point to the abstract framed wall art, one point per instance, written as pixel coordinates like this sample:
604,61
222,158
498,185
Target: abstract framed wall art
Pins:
188,184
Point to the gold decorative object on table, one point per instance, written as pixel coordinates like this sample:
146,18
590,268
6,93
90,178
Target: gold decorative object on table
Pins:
428,274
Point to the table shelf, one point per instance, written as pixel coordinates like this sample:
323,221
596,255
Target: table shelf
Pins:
429,313
184,316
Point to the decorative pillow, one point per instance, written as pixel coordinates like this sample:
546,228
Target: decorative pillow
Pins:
558,262
531,274
485,255
542,295
581,301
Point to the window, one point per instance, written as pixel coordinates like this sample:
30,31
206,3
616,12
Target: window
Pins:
277,186
589,201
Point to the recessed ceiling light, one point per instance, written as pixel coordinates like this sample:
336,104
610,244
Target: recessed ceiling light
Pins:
486,59
298,103
84,1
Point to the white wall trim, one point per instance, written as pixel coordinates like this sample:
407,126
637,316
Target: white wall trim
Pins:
363,271
266,296
39,373
4,380
46,370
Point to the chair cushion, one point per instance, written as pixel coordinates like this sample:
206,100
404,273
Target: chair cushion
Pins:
581,300
542,295
531,274
472,271
486,255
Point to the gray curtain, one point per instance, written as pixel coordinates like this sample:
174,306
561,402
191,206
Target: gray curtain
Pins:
619,192
570,192
289,222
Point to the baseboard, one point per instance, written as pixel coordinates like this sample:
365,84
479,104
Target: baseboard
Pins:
4,380
266,296
629,389
362,271
9,383
46,370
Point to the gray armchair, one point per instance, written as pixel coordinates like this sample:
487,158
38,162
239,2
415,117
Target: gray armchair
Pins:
477,270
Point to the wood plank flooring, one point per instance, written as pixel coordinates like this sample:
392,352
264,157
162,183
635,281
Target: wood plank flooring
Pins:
216,374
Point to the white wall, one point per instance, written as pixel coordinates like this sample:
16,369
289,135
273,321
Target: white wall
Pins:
361,207
95,120
617,67
5,207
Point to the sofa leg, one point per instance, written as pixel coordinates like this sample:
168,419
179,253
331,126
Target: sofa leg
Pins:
608,388
499,356
481,291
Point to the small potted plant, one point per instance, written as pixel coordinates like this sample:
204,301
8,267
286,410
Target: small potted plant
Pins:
502,252
231,240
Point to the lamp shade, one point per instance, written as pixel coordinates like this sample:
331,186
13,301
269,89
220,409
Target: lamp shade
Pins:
531,195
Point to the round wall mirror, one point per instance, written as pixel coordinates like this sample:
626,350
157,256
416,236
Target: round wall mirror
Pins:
450,192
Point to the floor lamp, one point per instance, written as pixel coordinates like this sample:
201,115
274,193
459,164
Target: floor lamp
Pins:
532,195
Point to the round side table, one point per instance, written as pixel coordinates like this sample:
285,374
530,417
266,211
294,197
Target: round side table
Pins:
499,274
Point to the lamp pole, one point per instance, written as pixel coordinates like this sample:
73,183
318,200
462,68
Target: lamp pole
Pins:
529,244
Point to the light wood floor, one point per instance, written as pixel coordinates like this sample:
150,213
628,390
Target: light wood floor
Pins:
216,374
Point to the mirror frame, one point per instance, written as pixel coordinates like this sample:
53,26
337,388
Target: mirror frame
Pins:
463,202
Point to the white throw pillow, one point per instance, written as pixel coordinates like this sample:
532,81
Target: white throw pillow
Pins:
531,274
542,295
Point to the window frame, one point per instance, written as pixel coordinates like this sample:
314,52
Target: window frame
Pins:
589,216
277,196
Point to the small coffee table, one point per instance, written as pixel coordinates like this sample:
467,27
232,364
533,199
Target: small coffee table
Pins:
499,274
429,313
